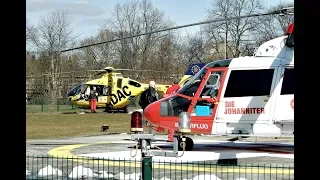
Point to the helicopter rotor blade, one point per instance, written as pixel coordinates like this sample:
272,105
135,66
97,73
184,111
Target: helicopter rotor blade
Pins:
143,70
98,70
101,71
288,10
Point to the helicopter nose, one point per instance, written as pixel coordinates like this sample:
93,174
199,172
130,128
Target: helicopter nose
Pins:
152,113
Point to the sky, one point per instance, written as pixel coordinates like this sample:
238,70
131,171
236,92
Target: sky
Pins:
88,15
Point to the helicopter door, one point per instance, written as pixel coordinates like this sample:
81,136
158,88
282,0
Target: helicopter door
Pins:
204,106
109,89
284,106
246,98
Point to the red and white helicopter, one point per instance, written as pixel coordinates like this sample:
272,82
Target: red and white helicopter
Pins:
244,96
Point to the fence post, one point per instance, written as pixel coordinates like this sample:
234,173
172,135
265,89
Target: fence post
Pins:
147,168
42,103
57,104
72,106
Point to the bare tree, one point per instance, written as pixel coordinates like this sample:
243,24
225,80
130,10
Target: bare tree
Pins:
180,60
89,55
52,35
273,26
152,19
106,52
234,31
284,20
132,18
29,31
195,48
165,56
125,22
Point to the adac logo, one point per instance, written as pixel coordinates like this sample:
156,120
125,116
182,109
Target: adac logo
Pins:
292,103
195,69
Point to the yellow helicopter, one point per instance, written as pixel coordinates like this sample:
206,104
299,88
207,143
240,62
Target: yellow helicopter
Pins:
116,92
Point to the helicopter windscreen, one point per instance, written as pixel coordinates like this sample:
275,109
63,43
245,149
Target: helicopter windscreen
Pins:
190,88
76,90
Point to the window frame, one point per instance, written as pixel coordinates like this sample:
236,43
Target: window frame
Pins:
283,80
235,93
119,83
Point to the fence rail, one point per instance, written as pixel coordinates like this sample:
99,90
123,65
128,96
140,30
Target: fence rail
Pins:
47,167
34,105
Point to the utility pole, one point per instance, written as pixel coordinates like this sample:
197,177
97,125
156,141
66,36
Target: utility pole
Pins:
226,41
225,45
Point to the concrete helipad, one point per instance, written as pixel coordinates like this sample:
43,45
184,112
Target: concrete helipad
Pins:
204,150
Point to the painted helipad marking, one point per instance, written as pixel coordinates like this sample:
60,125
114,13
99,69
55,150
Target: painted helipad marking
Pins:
65,151
188,156
248,146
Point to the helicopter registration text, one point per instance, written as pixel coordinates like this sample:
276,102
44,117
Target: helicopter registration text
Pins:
195,126
231,109
115,98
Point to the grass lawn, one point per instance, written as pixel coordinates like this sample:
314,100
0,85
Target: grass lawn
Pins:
31,108
46,125
59,125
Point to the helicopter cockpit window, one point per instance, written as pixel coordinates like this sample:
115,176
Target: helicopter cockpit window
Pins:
85,91
76,90
191,87
219,63
212,85
174,106
79,89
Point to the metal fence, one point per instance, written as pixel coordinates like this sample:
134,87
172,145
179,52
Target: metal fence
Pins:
46,167
43,105
35,105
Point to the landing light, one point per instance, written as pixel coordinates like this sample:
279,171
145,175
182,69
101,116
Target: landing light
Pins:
136,122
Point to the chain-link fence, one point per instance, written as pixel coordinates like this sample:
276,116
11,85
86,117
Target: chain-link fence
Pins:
46,167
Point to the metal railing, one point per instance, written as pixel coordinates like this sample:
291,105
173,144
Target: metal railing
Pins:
35,105
39,104
47,167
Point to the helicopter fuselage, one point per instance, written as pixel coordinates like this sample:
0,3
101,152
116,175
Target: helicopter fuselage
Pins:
114,91
246,95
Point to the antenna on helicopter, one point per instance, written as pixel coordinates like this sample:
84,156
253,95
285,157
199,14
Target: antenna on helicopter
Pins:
283,11
112,69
